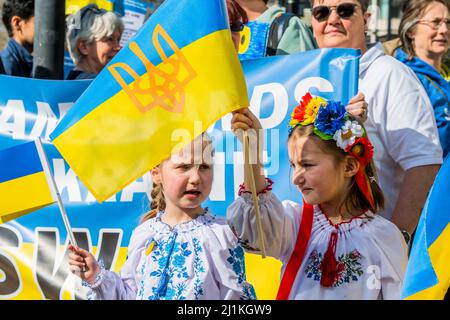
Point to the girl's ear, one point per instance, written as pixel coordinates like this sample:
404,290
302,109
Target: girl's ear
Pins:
156,175
351,166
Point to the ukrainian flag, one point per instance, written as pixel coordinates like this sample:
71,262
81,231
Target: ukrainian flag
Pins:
180,70
428,272
25,183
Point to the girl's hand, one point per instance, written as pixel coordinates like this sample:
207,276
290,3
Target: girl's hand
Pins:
83,264
243,119
357,107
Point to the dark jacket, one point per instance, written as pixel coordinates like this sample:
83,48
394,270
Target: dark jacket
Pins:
80,75
17,61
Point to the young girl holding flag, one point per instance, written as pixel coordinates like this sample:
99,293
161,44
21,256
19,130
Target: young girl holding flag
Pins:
334,246
180,251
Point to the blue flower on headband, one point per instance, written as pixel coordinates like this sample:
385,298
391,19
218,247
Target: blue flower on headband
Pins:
330,118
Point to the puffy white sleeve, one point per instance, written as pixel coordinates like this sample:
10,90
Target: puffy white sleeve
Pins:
393,253
280,224
112,286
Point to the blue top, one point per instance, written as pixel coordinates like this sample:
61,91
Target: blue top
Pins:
438,90
17,61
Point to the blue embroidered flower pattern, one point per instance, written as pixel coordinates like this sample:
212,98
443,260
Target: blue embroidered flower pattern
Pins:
198,269
172,274
348,267
236,259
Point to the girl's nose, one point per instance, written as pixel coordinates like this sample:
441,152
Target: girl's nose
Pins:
194,176
298,177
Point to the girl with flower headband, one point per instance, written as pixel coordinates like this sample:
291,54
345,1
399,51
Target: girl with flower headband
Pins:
334,246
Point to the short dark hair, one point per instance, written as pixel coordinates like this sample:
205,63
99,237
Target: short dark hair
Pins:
21,8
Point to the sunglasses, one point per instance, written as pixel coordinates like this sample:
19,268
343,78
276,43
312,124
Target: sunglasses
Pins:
90,8
344,11
237,27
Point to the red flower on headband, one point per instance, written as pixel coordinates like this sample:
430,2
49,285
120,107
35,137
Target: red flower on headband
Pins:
298,115
362,150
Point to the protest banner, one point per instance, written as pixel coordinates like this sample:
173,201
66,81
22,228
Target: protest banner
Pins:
32,256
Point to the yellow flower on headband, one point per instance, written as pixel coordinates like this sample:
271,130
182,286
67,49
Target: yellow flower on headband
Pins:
305,113
311,110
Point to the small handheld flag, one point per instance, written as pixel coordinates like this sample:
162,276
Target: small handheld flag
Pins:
25,183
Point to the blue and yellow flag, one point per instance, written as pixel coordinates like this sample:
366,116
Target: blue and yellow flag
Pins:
428,272
180,70
25,184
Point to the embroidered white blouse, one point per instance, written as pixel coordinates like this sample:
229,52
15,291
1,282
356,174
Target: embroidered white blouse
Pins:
198,259
371,252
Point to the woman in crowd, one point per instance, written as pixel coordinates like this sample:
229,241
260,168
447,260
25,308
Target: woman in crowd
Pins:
424,35
93,39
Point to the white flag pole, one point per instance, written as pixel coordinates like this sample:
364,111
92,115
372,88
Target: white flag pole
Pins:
54,189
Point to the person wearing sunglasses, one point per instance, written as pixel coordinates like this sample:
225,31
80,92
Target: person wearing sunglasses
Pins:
18,18
424,38
400,122
93,39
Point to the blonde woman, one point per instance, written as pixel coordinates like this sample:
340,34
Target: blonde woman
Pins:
424,37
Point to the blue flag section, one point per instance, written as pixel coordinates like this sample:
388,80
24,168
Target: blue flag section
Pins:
428,273
31,108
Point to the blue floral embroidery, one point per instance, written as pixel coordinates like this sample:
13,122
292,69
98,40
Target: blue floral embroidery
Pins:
236,260
172,273
198,269
349,267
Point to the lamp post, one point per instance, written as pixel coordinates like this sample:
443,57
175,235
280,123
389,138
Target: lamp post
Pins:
48,47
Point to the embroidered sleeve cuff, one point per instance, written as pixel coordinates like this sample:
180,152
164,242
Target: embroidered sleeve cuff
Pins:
267,188
98,278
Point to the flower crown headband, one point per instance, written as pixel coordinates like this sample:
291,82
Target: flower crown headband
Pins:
331,121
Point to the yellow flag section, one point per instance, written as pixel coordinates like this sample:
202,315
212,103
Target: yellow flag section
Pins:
175,78
25,184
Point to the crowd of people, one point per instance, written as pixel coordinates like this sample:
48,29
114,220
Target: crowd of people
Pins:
364,183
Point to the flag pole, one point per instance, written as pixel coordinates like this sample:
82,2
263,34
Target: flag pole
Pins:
250,183
54,188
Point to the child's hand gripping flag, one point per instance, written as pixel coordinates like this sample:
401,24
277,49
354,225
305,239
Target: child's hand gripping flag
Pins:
179,70
25,181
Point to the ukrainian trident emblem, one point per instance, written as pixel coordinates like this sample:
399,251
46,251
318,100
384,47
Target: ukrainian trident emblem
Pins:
161,86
